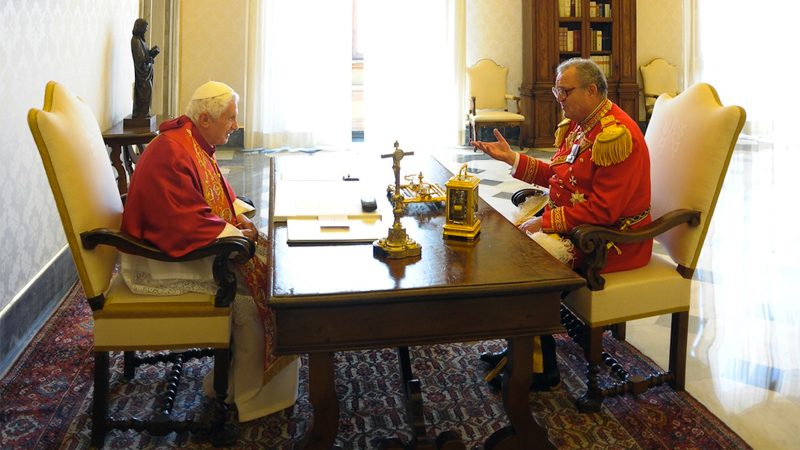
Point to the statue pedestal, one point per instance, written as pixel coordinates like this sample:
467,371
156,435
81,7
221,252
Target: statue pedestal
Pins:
148,122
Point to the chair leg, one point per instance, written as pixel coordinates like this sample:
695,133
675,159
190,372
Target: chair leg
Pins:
129,364
100,399
223,434
618,330
679,335
474,132
592,400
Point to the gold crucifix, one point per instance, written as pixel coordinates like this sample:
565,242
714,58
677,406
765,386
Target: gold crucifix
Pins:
397,244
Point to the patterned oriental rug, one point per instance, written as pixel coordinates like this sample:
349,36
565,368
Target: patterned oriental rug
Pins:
45,399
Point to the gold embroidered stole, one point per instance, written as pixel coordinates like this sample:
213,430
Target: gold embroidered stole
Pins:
255,271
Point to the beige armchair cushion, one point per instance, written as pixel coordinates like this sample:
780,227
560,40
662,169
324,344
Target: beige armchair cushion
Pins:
142,322
488,84
497,116
691,139
86,197
654,289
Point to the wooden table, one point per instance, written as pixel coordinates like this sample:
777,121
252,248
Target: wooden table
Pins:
330,298
126,144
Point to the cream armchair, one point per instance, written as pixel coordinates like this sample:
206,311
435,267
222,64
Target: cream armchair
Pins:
85,192
489,98
658,77
691,139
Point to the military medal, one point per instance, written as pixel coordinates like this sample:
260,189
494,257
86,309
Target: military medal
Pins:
573,152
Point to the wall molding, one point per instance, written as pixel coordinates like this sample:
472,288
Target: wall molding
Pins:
25,315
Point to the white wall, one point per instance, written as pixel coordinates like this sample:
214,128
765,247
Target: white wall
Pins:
660,33
494,31
84,44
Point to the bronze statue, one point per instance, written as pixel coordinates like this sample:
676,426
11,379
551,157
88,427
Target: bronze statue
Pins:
143,58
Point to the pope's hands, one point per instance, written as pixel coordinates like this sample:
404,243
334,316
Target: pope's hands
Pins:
248,228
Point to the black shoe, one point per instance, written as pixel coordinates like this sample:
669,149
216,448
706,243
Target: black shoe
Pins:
546,381
493,359
541,382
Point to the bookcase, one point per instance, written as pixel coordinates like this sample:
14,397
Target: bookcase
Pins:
556,30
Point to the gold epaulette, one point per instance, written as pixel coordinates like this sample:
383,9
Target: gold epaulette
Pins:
561,132
613,145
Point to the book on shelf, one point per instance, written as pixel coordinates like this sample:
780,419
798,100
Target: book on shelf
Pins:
604,62
569,8
597,40
572,41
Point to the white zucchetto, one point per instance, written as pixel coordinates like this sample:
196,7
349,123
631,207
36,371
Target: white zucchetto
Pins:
211,89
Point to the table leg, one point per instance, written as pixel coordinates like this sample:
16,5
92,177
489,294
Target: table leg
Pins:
515,395
413,390
122,174
127,159
322,394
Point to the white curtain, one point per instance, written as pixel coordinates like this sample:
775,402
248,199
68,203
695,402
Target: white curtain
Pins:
743,49
299,74
414,63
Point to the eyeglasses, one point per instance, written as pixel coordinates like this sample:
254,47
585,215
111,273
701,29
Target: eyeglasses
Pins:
561,94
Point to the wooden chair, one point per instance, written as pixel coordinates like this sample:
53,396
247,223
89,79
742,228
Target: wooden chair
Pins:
84,188
691,139
489,98
658,77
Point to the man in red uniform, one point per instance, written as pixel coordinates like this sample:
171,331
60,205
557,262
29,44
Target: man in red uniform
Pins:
179,201
599,175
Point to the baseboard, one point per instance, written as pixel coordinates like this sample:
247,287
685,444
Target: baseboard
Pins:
26,314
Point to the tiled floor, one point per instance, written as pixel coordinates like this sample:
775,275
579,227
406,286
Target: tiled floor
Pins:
744,342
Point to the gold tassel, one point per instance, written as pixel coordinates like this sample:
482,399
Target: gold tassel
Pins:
612,146
561,132
497,369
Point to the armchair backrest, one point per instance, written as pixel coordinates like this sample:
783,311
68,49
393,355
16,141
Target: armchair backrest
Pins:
658,77
81,178
691,139
487,83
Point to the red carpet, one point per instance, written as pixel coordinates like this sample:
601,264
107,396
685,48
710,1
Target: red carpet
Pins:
46,397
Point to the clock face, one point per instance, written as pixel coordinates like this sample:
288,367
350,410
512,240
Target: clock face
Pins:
457,206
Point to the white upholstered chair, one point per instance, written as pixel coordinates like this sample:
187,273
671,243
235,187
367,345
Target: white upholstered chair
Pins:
489,98
79,172
658,77
691,139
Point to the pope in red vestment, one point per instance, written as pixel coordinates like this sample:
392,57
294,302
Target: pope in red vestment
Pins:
179,201
165,204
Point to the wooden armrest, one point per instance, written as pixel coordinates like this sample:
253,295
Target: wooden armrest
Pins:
472,105
236,249
516,98
593,241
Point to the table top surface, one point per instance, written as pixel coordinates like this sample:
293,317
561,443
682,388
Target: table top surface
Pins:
119,131
500,259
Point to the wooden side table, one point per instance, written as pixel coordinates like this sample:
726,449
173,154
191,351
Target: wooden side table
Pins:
126,145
